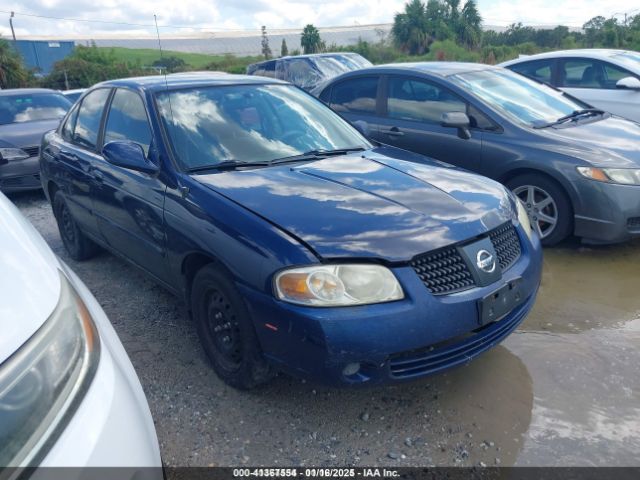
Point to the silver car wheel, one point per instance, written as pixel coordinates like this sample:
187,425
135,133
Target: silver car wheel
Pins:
541,208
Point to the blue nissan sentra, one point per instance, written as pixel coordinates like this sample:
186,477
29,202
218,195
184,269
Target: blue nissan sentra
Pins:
297,245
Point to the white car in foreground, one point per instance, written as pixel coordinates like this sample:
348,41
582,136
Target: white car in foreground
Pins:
68,393
606,79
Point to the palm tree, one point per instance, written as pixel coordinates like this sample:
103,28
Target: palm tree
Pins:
13,73
410,28
310,40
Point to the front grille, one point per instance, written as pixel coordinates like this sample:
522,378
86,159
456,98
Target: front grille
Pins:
444,271
633,224
31,151
507,245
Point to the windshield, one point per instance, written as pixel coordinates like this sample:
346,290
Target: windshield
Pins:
521,99
22,108
250,123
334,65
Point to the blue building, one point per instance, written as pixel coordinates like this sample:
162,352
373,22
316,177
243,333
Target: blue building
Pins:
42,54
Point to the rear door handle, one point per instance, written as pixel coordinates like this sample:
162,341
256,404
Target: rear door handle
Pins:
393,132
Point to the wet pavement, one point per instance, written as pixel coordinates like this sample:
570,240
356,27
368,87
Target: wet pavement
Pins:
563,390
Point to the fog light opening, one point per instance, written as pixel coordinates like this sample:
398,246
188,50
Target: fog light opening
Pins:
351,369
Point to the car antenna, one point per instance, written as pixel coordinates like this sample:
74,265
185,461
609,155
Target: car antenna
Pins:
183,190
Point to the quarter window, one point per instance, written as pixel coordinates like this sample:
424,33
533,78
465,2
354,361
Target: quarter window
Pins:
127,120
89,118
69,125
421,101
355,95
539,71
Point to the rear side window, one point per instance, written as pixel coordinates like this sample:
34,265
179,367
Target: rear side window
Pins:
421,101
89,118
128,120
539,70
355,95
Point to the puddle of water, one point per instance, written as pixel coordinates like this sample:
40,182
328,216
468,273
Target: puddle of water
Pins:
587,288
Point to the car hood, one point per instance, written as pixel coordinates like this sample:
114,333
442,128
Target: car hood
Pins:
611,142
369,204
30,279
26,134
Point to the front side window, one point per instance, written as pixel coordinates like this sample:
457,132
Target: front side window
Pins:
127,120
539,70
518,98
31,107
587,73
89,118
356,95
421,101
249,123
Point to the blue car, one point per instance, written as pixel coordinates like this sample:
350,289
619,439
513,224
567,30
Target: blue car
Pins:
297,245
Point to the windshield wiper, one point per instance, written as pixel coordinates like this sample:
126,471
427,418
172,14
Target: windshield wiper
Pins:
572,116
317,154
228,165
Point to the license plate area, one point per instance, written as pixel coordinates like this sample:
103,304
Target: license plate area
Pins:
499,303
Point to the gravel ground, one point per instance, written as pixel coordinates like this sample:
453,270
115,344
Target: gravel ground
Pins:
561,391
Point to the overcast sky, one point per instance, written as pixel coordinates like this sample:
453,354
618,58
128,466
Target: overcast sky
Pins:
250,14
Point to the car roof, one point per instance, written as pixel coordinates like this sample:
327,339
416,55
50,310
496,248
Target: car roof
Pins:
308,55
598,53
26,91
441,69
199,79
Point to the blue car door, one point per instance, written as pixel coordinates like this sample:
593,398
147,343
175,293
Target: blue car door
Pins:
76,154
129,204
412,110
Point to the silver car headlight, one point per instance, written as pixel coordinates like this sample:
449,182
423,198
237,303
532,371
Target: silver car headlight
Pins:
43,381
523,218
10,154
622,176
338,285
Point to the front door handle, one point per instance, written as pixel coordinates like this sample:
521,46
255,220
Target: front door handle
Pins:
393,132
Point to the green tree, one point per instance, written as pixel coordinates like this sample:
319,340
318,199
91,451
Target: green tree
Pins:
266,49
13,73
410,29
593,30
284,50
171,64
310,40
469,25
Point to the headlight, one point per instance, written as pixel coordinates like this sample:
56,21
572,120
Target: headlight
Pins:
338,285
9,154
623,176
41,381
523,218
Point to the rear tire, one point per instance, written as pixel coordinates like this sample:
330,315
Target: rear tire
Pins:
226,330
78,245
548,206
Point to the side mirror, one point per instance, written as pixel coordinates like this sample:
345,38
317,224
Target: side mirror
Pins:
458,120
362,127
128,155
628,83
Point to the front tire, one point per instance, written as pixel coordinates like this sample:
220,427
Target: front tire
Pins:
78,245
548,206
226,330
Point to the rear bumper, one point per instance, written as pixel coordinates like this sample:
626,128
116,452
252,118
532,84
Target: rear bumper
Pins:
393,342
19,175
610,213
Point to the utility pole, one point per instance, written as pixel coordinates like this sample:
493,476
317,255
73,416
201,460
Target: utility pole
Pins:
13,33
